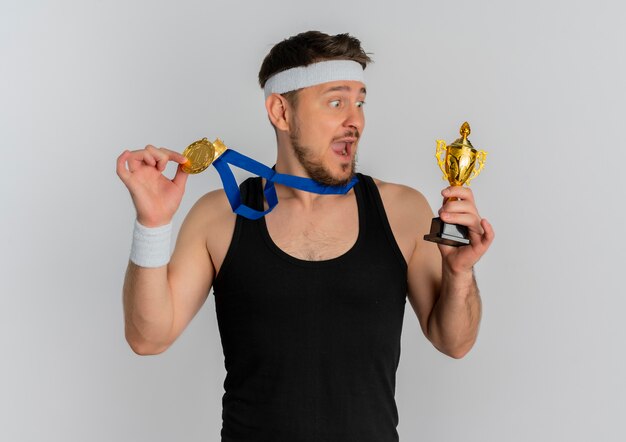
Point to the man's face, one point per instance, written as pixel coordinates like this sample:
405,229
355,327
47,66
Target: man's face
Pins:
326,127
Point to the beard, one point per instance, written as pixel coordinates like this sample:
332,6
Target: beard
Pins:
315,169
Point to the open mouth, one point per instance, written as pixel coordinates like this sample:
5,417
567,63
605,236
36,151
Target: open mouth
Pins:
342,148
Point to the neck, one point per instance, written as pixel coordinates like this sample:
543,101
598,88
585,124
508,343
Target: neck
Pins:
288,163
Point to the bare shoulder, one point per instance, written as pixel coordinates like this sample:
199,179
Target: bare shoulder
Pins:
408,213
212,208
211,222
402,200
211,217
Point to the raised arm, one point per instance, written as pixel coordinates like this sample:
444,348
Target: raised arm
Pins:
441,286
161,298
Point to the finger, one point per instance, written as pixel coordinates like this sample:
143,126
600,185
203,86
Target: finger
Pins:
464,193
459,207
158,157
481,242
471,221
180,179
121,169
144,156
162,158
174,156
489,234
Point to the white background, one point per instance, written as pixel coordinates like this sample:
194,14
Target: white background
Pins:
541,82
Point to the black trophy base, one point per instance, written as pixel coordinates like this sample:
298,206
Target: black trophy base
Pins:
448,234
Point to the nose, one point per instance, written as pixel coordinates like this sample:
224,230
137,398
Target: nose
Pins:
354,118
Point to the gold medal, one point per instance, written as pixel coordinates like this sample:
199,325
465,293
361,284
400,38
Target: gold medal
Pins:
200,154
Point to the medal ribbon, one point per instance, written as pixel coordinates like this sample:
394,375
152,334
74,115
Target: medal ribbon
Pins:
231,157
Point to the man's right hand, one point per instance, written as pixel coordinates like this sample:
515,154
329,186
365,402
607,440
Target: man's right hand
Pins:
156,198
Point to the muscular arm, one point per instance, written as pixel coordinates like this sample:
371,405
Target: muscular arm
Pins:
160,302
442,292
452,325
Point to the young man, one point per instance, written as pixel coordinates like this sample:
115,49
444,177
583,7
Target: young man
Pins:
310,298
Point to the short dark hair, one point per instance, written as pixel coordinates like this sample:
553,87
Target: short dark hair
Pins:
311,47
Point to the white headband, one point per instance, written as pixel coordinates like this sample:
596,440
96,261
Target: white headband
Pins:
313,74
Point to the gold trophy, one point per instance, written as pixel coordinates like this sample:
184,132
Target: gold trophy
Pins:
461,164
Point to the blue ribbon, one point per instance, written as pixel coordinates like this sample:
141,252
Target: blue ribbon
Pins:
271,176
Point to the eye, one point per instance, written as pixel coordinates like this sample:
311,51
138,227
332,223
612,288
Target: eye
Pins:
335,103
360,103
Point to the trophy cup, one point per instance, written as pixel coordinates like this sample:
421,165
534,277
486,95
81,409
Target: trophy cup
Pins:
461,164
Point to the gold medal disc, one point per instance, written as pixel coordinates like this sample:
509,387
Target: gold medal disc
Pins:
199,155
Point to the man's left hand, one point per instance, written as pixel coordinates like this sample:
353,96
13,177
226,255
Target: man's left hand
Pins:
463,212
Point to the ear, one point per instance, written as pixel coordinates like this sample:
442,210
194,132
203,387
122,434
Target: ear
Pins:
278,111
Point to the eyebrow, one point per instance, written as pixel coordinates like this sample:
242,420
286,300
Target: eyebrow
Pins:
343,88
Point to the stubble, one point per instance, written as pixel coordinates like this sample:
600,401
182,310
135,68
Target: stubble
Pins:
315,169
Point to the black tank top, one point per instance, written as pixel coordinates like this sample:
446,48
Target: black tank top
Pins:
311,348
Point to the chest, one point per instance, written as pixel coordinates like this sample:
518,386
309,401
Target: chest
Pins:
315,234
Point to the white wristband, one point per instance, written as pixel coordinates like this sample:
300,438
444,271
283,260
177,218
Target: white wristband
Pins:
151,246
